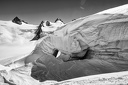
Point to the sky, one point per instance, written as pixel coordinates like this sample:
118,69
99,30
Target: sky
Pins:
34,11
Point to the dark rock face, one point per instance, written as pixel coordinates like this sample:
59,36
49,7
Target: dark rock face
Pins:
58,19
38,31
24,21
48,23
18,21
36,37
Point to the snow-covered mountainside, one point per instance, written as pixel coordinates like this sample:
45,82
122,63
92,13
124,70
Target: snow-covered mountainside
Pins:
15,40
18,31
52,26
47,27
13,33
116,10
104,33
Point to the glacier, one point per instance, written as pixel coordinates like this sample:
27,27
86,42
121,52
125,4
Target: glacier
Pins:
14,40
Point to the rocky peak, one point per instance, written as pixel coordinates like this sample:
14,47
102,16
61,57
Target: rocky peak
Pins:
17,20
58,19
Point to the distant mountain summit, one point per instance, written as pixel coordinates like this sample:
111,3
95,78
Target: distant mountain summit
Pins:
18,21
58,19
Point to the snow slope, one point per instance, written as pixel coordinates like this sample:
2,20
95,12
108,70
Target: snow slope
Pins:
116,10
11,53
15,40
11,33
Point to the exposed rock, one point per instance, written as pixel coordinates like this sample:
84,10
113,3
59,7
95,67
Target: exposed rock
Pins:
38,31
73,19
18,21
25,22
58,19
47,27
48,23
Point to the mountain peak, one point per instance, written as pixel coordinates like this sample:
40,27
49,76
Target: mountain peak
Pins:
17,20
58,19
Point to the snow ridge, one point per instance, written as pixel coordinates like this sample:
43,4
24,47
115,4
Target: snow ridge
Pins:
116,10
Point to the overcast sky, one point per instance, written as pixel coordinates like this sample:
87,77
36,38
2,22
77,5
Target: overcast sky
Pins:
34,11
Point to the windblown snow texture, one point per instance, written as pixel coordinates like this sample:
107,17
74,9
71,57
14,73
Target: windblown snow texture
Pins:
104,36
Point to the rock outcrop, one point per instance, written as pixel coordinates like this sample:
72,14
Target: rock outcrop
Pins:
58,19
18,21
47,27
